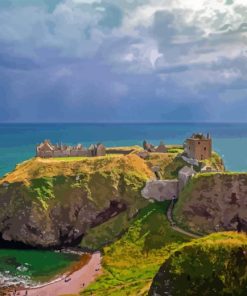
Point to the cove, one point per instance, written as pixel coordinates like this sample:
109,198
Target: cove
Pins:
33,266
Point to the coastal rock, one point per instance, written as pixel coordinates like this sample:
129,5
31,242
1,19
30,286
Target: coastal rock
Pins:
213,202
60,204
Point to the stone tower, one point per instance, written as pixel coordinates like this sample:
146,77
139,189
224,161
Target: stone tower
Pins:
198,147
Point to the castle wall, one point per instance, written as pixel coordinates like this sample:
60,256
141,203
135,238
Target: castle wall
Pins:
160,190
101,151
79,153
119,151
45,154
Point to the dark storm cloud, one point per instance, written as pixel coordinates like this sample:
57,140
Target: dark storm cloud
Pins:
85,60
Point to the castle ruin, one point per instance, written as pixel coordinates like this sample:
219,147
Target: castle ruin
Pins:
47,150
198,147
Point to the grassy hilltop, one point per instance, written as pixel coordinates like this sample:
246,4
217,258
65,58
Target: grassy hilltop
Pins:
79,194
215,264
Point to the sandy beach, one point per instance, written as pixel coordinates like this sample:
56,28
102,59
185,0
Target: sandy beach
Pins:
70,284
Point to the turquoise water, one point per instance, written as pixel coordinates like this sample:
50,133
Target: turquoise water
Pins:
31,266
17,141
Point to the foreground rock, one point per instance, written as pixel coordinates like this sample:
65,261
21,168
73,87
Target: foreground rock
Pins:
213,265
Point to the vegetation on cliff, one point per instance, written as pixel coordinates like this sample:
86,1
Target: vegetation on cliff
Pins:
216,162
74,197
215,264
49,202
169,164
130,263
71,166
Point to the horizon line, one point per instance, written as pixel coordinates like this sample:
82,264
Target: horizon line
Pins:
121,122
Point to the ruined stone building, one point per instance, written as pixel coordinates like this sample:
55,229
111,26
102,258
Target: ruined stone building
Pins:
97,150
198,146
151,148
184,175
46,150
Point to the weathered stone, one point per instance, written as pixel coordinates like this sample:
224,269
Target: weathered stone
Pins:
160,190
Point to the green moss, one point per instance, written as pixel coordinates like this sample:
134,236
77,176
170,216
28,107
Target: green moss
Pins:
215,264
186,195
171,171
43,190
107,232
169,164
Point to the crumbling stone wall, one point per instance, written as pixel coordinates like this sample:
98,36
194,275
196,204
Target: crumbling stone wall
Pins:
160,190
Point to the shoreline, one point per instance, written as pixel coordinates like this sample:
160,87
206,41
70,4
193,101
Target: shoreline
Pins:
72,282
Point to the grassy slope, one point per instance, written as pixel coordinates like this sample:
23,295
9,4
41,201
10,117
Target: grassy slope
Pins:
215,162
37,167
168,163
215,264
130,263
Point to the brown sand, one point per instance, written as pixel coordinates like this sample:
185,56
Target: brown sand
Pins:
78,281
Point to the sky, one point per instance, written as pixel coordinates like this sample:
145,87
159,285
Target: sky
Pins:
123,60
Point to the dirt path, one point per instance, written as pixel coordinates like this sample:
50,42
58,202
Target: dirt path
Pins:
173,224
73,284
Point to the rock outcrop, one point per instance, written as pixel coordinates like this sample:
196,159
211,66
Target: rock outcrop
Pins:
213,202
161,190
64,200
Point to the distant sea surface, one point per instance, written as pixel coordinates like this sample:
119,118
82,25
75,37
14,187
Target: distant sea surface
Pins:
18,141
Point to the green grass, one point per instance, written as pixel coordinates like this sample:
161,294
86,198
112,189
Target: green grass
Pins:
215,162
79,158
168,163
215,264
130,263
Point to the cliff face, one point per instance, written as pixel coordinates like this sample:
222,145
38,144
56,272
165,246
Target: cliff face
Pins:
56,202
213,202
52,203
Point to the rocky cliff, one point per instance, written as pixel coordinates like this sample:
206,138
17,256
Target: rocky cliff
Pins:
91,201
213,202
46,203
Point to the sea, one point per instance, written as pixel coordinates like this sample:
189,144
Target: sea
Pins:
18,140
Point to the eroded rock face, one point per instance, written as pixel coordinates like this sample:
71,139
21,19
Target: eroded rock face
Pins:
60,213
214,202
